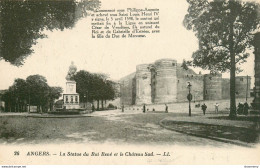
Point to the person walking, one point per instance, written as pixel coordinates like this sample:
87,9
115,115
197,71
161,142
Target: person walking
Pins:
246,107
93,107
144,108
216,107
123,108
204,108
166,108
240,108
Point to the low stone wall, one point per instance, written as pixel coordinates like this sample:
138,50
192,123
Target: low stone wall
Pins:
184,106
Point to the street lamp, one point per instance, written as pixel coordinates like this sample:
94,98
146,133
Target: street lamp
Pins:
189,97
84,100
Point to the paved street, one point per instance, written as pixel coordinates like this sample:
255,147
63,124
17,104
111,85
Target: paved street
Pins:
115,127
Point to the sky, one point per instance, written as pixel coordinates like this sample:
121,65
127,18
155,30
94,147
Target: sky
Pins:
116,57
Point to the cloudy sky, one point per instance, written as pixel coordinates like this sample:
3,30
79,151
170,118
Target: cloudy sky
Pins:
116,57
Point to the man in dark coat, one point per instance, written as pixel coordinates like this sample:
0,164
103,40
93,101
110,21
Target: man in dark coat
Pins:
144,108
166,108
246,107
240,108
123,107
204,107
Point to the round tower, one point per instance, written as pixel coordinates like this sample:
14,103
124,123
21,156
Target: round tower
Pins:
243,86
143,84
166,81
213,86
256,101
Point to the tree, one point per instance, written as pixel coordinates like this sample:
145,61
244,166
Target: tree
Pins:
85,89
32,91
223,29
15,97
23,22
54,93
94,86
38,91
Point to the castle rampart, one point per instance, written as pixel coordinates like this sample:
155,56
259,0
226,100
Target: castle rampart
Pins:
143,84
165,81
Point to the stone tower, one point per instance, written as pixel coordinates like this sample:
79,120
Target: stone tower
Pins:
256,101
143,84
212,86
243,86
166,81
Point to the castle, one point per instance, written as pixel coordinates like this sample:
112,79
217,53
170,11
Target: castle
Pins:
165,81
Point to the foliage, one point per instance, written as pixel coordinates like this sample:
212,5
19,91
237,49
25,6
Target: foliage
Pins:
211,21
23,22
32,91
224,30
94,86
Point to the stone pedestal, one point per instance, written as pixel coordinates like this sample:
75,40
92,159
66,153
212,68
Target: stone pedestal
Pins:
71,98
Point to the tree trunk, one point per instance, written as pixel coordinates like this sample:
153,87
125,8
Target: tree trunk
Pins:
102,104
232,113
97,104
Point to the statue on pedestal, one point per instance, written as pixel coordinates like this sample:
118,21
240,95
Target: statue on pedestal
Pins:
72,71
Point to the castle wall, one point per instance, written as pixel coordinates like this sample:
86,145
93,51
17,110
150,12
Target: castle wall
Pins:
212,87
166,81
243,86
256,101
225,88
127,90
153,82
196,81
143,84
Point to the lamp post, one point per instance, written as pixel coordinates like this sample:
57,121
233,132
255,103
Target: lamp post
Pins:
189,97
85,100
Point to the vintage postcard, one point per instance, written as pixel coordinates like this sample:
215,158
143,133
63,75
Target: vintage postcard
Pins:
117,82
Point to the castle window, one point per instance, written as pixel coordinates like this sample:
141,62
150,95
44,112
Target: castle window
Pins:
241,79
187,75
173,64
67,99
76,99
206,92
71,99
178,81
191,75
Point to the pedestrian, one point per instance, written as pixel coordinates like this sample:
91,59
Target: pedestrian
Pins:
246,107
93,108
204,108
144,108
123,108
216,107
166,108
240,108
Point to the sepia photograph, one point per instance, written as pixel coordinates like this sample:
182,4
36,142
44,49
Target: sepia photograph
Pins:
140,82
